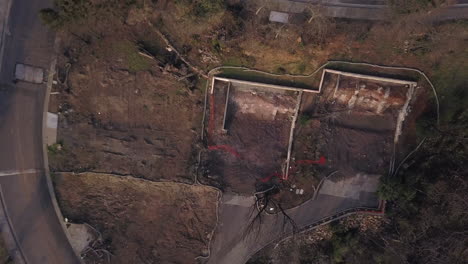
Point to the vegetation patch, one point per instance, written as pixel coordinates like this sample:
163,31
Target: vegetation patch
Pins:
201,8
412,6
130,53
129,212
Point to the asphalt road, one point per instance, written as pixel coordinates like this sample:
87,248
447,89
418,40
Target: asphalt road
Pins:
367,9
26,198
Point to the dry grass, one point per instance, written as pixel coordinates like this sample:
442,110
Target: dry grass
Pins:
141,221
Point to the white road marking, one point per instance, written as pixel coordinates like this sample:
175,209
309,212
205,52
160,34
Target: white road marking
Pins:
11,173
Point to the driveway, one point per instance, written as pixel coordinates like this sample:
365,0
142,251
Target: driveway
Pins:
233,244
26,201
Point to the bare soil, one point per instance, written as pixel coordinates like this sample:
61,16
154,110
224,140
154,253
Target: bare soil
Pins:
352,125
141,221
258,123
113,120
125,113
135,116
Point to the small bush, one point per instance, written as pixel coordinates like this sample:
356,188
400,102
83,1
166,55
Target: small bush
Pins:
69,12
301,67
412,6
65,12
304,119
55,148
50,17
129,52
202,8
392,189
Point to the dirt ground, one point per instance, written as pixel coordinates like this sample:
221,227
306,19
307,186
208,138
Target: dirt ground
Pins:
126,113
351,125
114,120
141,221
253,147
243,36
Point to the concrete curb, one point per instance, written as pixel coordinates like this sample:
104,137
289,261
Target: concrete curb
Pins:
50,186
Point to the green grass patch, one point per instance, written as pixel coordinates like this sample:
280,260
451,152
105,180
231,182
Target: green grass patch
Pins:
201,8
133,60
241,60
296,67
304,119
54,149
155,48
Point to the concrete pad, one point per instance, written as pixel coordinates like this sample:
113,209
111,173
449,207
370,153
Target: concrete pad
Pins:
351,187
29,73
51,128
240,200
81,236
279,17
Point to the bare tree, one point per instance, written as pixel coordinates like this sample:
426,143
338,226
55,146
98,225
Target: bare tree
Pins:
264,200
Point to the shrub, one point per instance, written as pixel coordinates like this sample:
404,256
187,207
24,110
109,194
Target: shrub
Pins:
202,8
129,52
50,17
411,6
304,119
65,12
392,189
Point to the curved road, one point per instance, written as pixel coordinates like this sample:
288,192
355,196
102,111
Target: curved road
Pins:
368,9
27,204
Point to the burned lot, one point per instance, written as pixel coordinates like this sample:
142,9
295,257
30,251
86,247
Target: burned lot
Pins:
248,132
347,128
355,123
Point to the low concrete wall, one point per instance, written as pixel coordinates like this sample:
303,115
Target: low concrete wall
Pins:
281,87
367,77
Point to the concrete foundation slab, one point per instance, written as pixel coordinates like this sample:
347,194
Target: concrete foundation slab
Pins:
51,129
279,17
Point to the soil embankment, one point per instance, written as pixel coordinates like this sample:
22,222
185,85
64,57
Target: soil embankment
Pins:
141,221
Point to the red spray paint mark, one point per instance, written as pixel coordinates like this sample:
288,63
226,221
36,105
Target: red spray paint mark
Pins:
229,149
267,179
322,160
225,148
211,128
